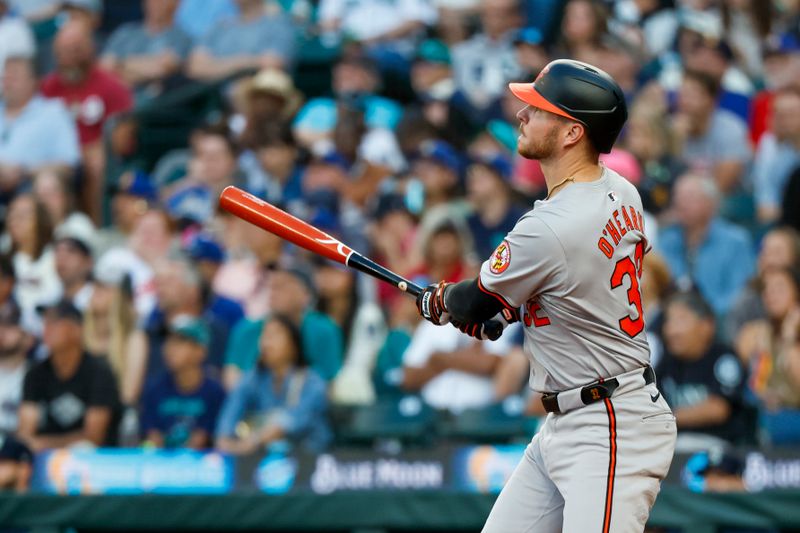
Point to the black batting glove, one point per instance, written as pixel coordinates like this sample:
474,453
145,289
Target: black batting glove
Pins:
506,317
430,304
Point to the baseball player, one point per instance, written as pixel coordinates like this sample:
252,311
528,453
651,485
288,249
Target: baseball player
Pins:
570,270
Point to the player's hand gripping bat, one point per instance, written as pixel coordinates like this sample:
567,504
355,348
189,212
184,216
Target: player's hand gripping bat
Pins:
268,217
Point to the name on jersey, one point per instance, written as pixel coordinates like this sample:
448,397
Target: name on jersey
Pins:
622,221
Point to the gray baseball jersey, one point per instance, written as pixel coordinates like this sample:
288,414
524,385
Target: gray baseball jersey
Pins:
574,263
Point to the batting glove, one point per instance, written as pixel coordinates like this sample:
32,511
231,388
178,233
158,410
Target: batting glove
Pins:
430,304
506,317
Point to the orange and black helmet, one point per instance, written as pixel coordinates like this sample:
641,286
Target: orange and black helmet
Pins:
580,92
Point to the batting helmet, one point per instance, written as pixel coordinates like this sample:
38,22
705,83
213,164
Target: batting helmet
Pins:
580,92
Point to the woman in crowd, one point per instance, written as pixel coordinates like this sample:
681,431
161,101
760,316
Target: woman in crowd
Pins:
280,401
51,189
772,349
30,235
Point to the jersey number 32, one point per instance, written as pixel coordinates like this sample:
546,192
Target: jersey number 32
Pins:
632,269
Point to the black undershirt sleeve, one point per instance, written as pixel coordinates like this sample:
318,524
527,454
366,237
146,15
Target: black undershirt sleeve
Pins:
467,303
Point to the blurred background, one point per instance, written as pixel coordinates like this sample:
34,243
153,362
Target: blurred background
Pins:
165,366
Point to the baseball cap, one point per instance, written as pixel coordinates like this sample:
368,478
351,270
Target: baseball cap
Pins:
112,267
192,204
62,309
304,276
785,43
14,450
497,163
10,313
191,329
204,248
79,232
433,51
530,35
440,153
136,183
695,302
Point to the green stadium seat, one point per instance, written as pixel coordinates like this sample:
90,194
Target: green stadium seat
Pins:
408,420
500,422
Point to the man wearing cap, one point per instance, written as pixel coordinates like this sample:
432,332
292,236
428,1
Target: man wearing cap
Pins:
16,464
144,54
208,255
180,409
15,343
74,263
71,397
700,378
570,270
132,196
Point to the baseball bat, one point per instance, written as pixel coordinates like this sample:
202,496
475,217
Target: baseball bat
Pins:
268,217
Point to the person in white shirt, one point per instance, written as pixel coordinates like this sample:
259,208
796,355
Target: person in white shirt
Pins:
452,371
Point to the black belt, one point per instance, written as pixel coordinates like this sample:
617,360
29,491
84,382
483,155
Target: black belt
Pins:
594,392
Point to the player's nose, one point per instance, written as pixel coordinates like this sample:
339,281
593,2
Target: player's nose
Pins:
522,114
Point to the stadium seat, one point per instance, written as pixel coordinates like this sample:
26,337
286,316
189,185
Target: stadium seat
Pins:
408,420
499,422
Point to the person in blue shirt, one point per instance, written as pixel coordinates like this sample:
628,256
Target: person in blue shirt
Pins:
494,212
704,250
281,400
180,409
291,292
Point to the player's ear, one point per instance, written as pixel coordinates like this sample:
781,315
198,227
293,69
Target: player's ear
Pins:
575,131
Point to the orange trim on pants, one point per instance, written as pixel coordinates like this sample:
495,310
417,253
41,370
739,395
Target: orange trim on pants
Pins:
612,464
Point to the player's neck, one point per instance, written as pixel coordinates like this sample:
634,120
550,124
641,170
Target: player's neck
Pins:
560,172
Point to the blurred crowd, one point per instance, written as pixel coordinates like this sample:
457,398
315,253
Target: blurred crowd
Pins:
169,323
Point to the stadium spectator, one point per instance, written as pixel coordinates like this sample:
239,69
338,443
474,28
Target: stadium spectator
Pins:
180,409
484,64
71,397
109,327
437,171
268,98
146,54
583,27
59,198
15,343
198,17
714,141
208,255
73,261
16,464
451,371
87,12
703,381
132,196
179,289
387,31
213,167
291,293
700,247
355,82
346,299
494,212
778,154
35,133
7,279
252,256
650,139
93,95
30,238
531,53
280,399
771,348
748,25
781,70
272,166
780,248
16,37
650,24
253,40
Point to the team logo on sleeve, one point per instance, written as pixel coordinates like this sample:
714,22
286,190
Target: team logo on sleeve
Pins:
500,259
